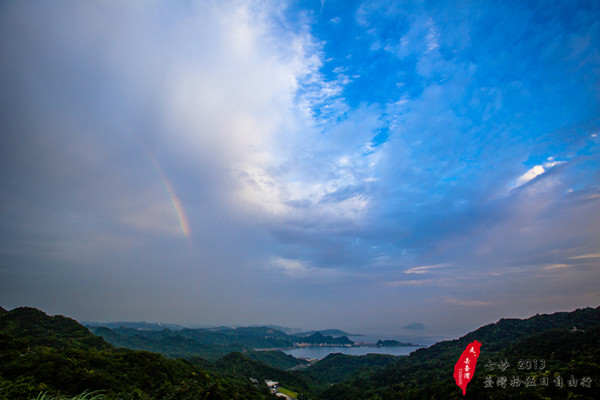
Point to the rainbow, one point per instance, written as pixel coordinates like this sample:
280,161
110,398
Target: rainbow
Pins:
175,202
183,222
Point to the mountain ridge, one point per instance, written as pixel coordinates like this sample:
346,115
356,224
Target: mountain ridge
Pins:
412,376
59,355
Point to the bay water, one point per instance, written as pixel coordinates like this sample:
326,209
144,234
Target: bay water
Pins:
319,352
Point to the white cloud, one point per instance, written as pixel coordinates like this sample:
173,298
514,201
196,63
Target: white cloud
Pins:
432,37
551,163
226,100
300,269
294,268
426,268
585,256
529,175
557,266
315,174
247,102
535,172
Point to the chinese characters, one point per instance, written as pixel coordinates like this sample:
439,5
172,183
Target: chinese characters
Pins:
528,381
465,366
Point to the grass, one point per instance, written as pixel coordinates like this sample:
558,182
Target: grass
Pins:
293,395
83,396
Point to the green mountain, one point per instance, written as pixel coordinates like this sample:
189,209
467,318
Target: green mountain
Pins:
318,338
209,343
58,356
324,332
336,367
392,343
276,359
428,372
141,325
37,329
238,365
167,342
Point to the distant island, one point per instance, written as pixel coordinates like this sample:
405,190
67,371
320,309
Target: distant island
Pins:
394,343
325,332
318,339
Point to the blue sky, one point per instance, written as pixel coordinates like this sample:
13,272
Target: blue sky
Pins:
358,165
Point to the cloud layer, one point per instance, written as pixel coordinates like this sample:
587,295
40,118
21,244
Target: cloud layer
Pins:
359,166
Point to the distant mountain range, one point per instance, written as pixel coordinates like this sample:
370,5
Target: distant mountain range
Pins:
141,325
157,326
211,343
393,343
325,332
57,355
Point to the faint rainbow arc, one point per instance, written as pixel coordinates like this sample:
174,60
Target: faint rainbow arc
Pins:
175,202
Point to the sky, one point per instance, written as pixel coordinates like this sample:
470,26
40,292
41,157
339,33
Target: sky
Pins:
312,164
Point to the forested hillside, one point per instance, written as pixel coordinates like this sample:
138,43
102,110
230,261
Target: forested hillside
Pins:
210,344
545,356
57,355
567,342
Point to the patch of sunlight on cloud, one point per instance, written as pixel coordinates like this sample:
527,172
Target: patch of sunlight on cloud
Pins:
426,268
530,175
557,266
300,269
535,172
585,256
291,267
273,195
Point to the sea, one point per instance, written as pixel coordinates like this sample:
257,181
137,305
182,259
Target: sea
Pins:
320,352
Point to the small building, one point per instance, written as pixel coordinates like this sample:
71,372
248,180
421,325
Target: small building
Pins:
272,385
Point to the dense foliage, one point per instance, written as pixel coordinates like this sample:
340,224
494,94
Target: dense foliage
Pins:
166,342
276,359
236,364
427,373
58,356
336,367
50,357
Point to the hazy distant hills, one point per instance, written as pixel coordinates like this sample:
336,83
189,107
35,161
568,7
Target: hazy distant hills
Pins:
157,326
40,353
140,325
325,332
211,343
